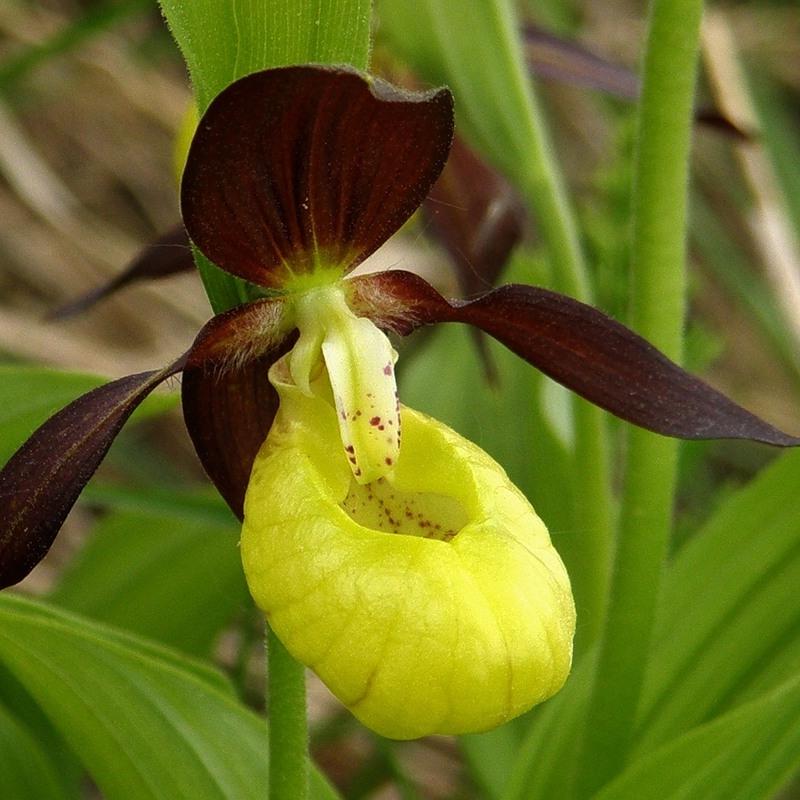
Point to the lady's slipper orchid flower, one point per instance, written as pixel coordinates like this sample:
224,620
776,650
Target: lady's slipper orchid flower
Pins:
294,177
429,601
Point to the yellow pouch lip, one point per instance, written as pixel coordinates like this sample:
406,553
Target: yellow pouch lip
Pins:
414,635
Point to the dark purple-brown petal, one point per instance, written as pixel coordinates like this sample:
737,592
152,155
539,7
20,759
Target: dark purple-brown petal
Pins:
550,56
298,167
42,480
228,401
167,255
578,346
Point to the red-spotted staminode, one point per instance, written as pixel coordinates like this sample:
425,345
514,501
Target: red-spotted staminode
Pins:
407,576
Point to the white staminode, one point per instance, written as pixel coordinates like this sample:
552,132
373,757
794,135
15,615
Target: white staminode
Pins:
360,363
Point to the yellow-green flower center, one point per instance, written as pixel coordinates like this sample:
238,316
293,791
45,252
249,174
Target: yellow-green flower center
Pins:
382,507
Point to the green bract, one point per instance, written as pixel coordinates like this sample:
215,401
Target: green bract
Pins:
429,601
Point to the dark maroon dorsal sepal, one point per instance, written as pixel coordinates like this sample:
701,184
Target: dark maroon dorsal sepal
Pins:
299,168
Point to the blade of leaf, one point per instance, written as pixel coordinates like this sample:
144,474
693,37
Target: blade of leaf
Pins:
736,572
490,758
28,773
545,764
173,559
144,727
577,346
169,254
42,480
202,670
729,606
220,45
202,506
228,401
747,754
300,169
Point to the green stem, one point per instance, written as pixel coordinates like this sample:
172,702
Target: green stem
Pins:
588,562
288,726
658,308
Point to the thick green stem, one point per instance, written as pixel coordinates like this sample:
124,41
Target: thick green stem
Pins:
657,312
588,562
288,725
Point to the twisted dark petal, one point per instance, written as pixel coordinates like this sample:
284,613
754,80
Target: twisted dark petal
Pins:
304,165
578,346
553,58
550,56
42,480
476,214
167,255
479,218
228,401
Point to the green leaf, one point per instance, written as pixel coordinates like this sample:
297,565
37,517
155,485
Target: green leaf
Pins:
30,395
28,774
490,757
222,41
728,609
201,505
18,703
175,556
545,764
727,630
201,670
474,48
745,755
144,725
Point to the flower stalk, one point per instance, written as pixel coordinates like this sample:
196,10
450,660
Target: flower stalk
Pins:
288,731
657,311
546,195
